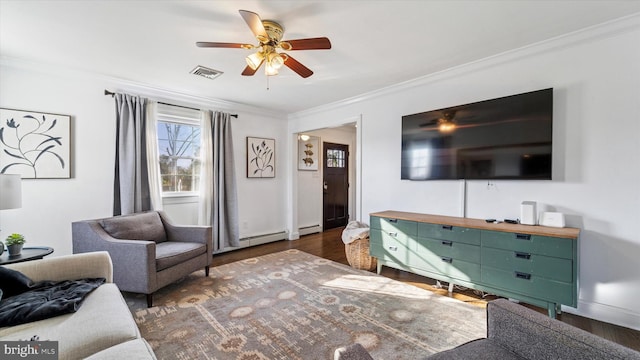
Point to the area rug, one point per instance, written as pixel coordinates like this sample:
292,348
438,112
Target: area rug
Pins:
293,305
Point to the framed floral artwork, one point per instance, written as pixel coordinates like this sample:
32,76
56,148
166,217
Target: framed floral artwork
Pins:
35,145
261,157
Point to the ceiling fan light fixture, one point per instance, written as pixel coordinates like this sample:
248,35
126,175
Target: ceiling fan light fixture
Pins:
254,60
270,70
275,60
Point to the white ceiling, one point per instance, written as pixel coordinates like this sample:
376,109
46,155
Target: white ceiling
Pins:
375,43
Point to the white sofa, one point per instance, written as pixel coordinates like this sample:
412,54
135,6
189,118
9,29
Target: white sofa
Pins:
103,327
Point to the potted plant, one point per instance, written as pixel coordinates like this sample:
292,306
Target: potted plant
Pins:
14,244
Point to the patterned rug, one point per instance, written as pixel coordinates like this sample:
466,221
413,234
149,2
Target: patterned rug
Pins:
293,305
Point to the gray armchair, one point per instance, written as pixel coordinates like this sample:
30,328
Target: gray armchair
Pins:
148,252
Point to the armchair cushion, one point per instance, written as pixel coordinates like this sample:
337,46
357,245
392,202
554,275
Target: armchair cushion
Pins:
170,253
141,226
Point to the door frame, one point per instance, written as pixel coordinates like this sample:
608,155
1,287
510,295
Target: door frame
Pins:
292,168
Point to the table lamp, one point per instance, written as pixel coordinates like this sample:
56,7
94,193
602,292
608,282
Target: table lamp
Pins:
10,195
10,191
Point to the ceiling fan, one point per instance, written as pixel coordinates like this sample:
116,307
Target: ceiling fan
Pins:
269,34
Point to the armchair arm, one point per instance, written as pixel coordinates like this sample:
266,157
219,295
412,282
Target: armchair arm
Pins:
533,335
134,261
190,233
68,267
352,352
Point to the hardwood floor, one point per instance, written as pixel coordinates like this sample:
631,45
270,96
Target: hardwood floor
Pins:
330,246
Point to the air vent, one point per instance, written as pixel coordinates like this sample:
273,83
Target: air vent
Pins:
206,72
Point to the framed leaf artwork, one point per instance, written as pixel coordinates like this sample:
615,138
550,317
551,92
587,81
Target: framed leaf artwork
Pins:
261,157
35,145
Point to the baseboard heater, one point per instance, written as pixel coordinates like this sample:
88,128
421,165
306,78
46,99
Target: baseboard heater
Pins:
257,240
263,239
312,229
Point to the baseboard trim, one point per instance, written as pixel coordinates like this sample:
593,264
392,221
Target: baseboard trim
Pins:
310,230
606,313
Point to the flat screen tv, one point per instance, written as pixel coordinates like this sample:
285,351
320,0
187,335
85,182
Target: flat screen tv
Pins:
505,138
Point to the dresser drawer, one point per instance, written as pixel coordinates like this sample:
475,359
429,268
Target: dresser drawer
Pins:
529,284
458,269
447,248
545,266
386,247
407,228
534,244
448,232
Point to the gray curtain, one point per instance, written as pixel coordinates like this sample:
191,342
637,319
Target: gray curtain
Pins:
219,200
131,181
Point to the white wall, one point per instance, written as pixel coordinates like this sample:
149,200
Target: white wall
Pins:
596,162
49,206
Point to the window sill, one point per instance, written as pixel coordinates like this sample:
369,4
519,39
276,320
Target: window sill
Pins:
180,198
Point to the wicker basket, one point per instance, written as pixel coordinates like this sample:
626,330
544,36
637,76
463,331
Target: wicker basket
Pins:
358,255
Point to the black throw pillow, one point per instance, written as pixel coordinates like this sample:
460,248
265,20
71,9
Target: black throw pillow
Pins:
13,282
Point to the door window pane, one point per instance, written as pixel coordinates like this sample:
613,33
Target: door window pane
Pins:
336,158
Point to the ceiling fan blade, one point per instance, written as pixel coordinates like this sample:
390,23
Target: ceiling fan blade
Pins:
205,44
300,69
248,71
320,43
255,24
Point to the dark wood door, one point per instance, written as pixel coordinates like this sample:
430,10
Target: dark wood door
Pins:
336,185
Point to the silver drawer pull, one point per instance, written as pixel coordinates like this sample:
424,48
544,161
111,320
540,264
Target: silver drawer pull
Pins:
393,248
394,234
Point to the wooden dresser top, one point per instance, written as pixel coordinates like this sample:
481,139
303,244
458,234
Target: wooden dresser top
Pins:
569,233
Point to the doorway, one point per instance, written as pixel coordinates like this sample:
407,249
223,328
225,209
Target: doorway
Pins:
335,185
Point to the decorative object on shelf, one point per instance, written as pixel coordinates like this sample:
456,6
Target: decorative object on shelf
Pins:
308,152
261,157
35,145
14,244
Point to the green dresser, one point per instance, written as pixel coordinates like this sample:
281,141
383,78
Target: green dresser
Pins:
534,264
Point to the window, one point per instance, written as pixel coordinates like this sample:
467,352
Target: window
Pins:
336,158
179,151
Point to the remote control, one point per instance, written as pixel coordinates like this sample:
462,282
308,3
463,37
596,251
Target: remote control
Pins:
490,220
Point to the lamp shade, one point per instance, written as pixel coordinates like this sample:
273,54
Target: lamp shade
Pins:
10,191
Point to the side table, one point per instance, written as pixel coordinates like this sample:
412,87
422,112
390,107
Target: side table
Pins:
27,254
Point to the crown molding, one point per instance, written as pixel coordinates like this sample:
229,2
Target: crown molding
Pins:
155,92
588,34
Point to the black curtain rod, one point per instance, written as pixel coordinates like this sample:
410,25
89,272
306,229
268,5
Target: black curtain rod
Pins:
107,92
